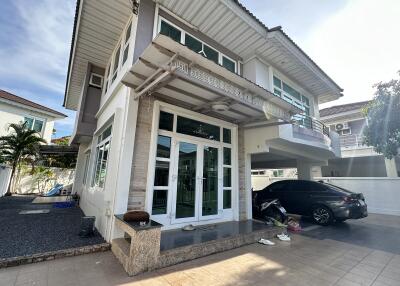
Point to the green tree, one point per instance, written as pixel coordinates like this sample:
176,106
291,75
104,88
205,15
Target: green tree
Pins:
383,116
19,145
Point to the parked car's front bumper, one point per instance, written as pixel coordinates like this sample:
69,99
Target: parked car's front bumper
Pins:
352,211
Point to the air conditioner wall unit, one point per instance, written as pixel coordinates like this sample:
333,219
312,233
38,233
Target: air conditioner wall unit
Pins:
342,126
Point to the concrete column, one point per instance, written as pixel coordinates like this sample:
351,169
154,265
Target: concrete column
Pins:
304,171
244,164
316,172
391,169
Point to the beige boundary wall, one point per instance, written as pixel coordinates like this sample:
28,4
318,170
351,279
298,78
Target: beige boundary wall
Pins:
5,173
382,194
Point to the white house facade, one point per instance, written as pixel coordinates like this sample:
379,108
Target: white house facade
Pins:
15,109
178,100
358,160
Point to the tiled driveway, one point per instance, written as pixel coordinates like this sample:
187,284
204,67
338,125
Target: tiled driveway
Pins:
310,259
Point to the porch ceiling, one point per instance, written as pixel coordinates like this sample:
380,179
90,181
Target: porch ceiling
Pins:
100,23
228,23
202,92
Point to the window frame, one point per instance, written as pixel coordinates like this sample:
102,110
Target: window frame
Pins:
183,42
34,119
86,168
95,182
126,42
288,97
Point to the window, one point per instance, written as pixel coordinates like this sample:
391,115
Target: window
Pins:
166,121
107,78
210,53
161,175
126,43
227,136
227,179
116,63
195,45
170,31
198,129
86,168
102,154
228,64
278,173
34,124
291,95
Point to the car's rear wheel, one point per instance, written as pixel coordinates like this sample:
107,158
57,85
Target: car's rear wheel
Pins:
322,215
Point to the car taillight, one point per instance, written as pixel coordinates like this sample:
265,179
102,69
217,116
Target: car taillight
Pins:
349,199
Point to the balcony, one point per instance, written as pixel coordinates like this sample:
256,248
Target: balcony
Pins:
352,141
310,123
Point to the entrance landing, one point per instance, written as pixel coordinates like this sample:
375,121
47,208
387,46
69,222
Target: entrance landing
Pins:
176,238
146,248
178,246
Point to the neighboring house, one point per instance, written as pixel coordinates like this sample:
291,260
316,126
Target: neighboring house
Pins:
177,101
358,160
15,109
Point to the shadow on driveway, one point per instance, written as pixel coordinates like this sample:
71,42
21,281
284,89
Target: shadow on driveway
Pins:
37,233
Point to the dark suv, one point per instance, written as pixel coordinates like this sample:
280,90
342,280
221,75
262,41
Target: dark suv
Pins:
324,202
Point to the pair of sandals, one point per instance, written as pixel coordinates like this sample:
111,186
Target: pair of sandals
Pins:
283,237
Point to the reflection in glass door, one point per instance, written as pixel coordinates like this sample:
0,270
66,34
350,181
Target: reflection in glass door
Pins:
210,181
186,181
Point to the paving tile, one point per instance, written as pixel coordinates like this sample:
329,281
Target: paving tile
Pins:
382,280
361,280
346,282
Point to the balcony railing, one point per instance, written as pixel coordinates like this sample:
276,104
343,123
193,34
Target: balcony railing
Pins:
310,123
354,140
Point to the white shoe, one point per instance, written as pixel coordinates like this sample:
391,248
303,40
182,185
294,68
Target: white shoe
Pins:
266,242
283,237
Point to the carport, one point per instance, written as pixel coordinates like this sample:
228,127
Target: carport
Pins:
280,145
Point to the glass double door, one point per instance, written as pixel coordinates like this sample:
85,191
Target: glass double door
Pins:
197,182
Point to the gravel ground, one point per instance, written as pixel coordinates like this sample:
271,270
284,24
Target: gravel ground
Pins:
36,233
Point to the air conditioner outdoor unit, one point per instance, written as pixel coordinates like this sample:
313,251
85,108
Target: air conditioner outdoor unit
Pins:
342,126
96,80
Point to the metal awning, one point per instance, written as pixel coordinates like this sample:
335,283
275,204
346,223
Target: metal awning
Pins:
174,73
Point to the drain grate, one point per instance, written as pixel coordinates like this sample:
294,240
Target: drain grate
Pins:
34,212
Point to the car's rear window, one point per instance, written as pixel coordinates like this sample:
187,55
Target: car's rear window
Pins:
338,189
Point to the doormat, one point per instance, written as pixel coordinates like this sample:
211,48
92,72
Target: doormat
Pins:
34,212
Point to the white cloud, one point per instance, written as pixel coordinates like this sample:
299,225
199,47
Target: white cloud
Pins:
358,46
36,48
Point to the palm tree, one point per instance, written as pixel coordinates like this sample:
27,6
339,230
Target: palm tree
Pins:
21,144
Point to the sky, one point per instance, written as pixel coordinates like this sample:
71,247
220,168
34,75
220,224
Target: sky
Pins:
356,42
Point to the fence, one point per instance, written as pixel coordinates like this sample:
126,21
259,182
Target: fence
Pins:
39,182
382,194
5,174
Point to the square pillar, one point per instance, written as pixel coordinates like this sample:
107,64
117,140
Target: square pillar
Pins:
391,168
304,171
139,250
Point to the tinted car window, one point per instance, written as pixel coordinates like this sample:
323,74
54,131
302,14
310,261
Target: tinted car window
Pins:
277,187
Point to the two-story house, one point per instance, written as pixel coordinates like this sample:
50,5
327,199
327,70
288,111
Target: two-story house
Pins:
178,100
15,109
358,160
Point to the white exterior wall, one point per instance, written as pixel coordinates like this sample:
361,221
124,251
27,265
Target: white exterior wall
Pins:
261,73
258,72
15,114
382,195
103,203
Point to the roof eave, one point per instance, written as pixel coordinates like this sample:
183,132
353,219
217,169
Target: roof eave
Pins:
72,51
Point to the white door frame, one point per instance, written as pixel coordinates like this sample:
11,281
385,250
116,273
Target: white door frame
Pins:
200,144
165,219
